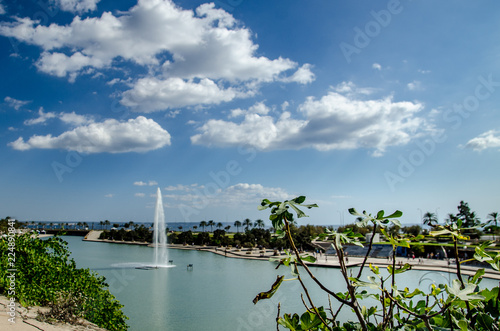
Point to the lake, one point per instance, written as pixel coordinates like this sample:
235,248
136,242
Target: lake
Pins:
216,294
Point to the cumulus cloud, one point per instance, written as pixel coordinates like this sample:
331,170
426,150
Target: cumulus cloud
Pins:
238,194
76,6
377,66
41,119
16,104
489,139
414,86
192,57
149,183
342,119
140,195
75,119
111,136
68,118
152,94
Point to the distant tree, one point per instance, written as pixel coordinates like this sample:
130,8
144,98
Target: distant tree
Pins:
227,227
203,224
259,224
107,223
237,224
195,227
211,223
430,219
493,217
101,223
468,219
179,227
219,225
247,223
413,230
116,225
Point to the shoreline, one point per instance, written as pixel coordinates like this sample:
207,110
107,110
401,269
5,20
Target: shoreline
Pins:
330,261
323,261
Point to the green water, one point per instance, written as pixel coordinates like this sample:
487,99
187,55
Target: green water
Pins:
215,295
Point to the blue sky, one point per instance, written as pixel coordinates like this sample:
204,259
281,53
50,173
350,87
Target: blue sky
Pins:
367,104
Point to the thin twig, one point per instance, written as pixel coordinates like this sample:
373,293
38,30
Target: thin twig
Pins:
369,250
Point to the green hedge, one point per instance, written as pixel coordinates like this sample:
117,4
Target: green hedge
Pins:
46,276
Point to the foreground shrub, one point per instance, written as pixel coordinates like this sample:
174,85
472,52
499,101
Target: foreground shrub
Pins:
46,276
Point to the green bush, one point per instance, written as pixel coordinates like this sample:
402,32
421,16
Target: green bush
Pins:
46,276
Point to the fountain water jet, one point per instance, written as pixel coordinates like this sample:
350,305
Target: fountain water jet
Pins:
160,237
160,257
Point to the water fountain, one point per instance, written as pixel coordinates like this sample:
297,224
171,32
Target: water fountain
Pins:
160,256
160,236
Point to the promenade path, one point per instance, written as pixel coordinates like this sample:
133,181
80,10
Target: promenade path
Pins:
331,261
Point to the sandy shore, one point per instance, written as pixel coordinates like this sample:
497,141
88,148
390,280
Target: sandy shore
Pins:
18,318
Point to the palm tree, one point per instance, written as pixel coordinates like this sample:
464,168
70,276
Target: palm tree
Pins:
211,223
227,228
237,224
247,223
203,224
106,223
259,224
494,218
430,219
219,225
195,227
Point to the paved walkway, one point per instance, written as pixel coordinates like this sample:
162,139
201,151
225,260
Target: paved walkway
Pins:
331,261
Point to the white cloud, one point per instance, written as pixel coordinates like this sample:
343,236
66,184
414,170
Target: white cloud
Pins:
415,85
152,94
68,118
285,105
149,183
489,139
303,75
2,9
109,195
336,121
179,187
238,194
257,108
41,119
193,57
377,66
111,136
75,119
76,6
140,195
16,104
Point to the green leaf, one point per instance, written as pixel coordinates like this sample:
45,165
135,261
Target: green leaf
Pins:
465,294
396,214
308,258
400,270
380,215
353,212
290,322
270,293
299,200
374,269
